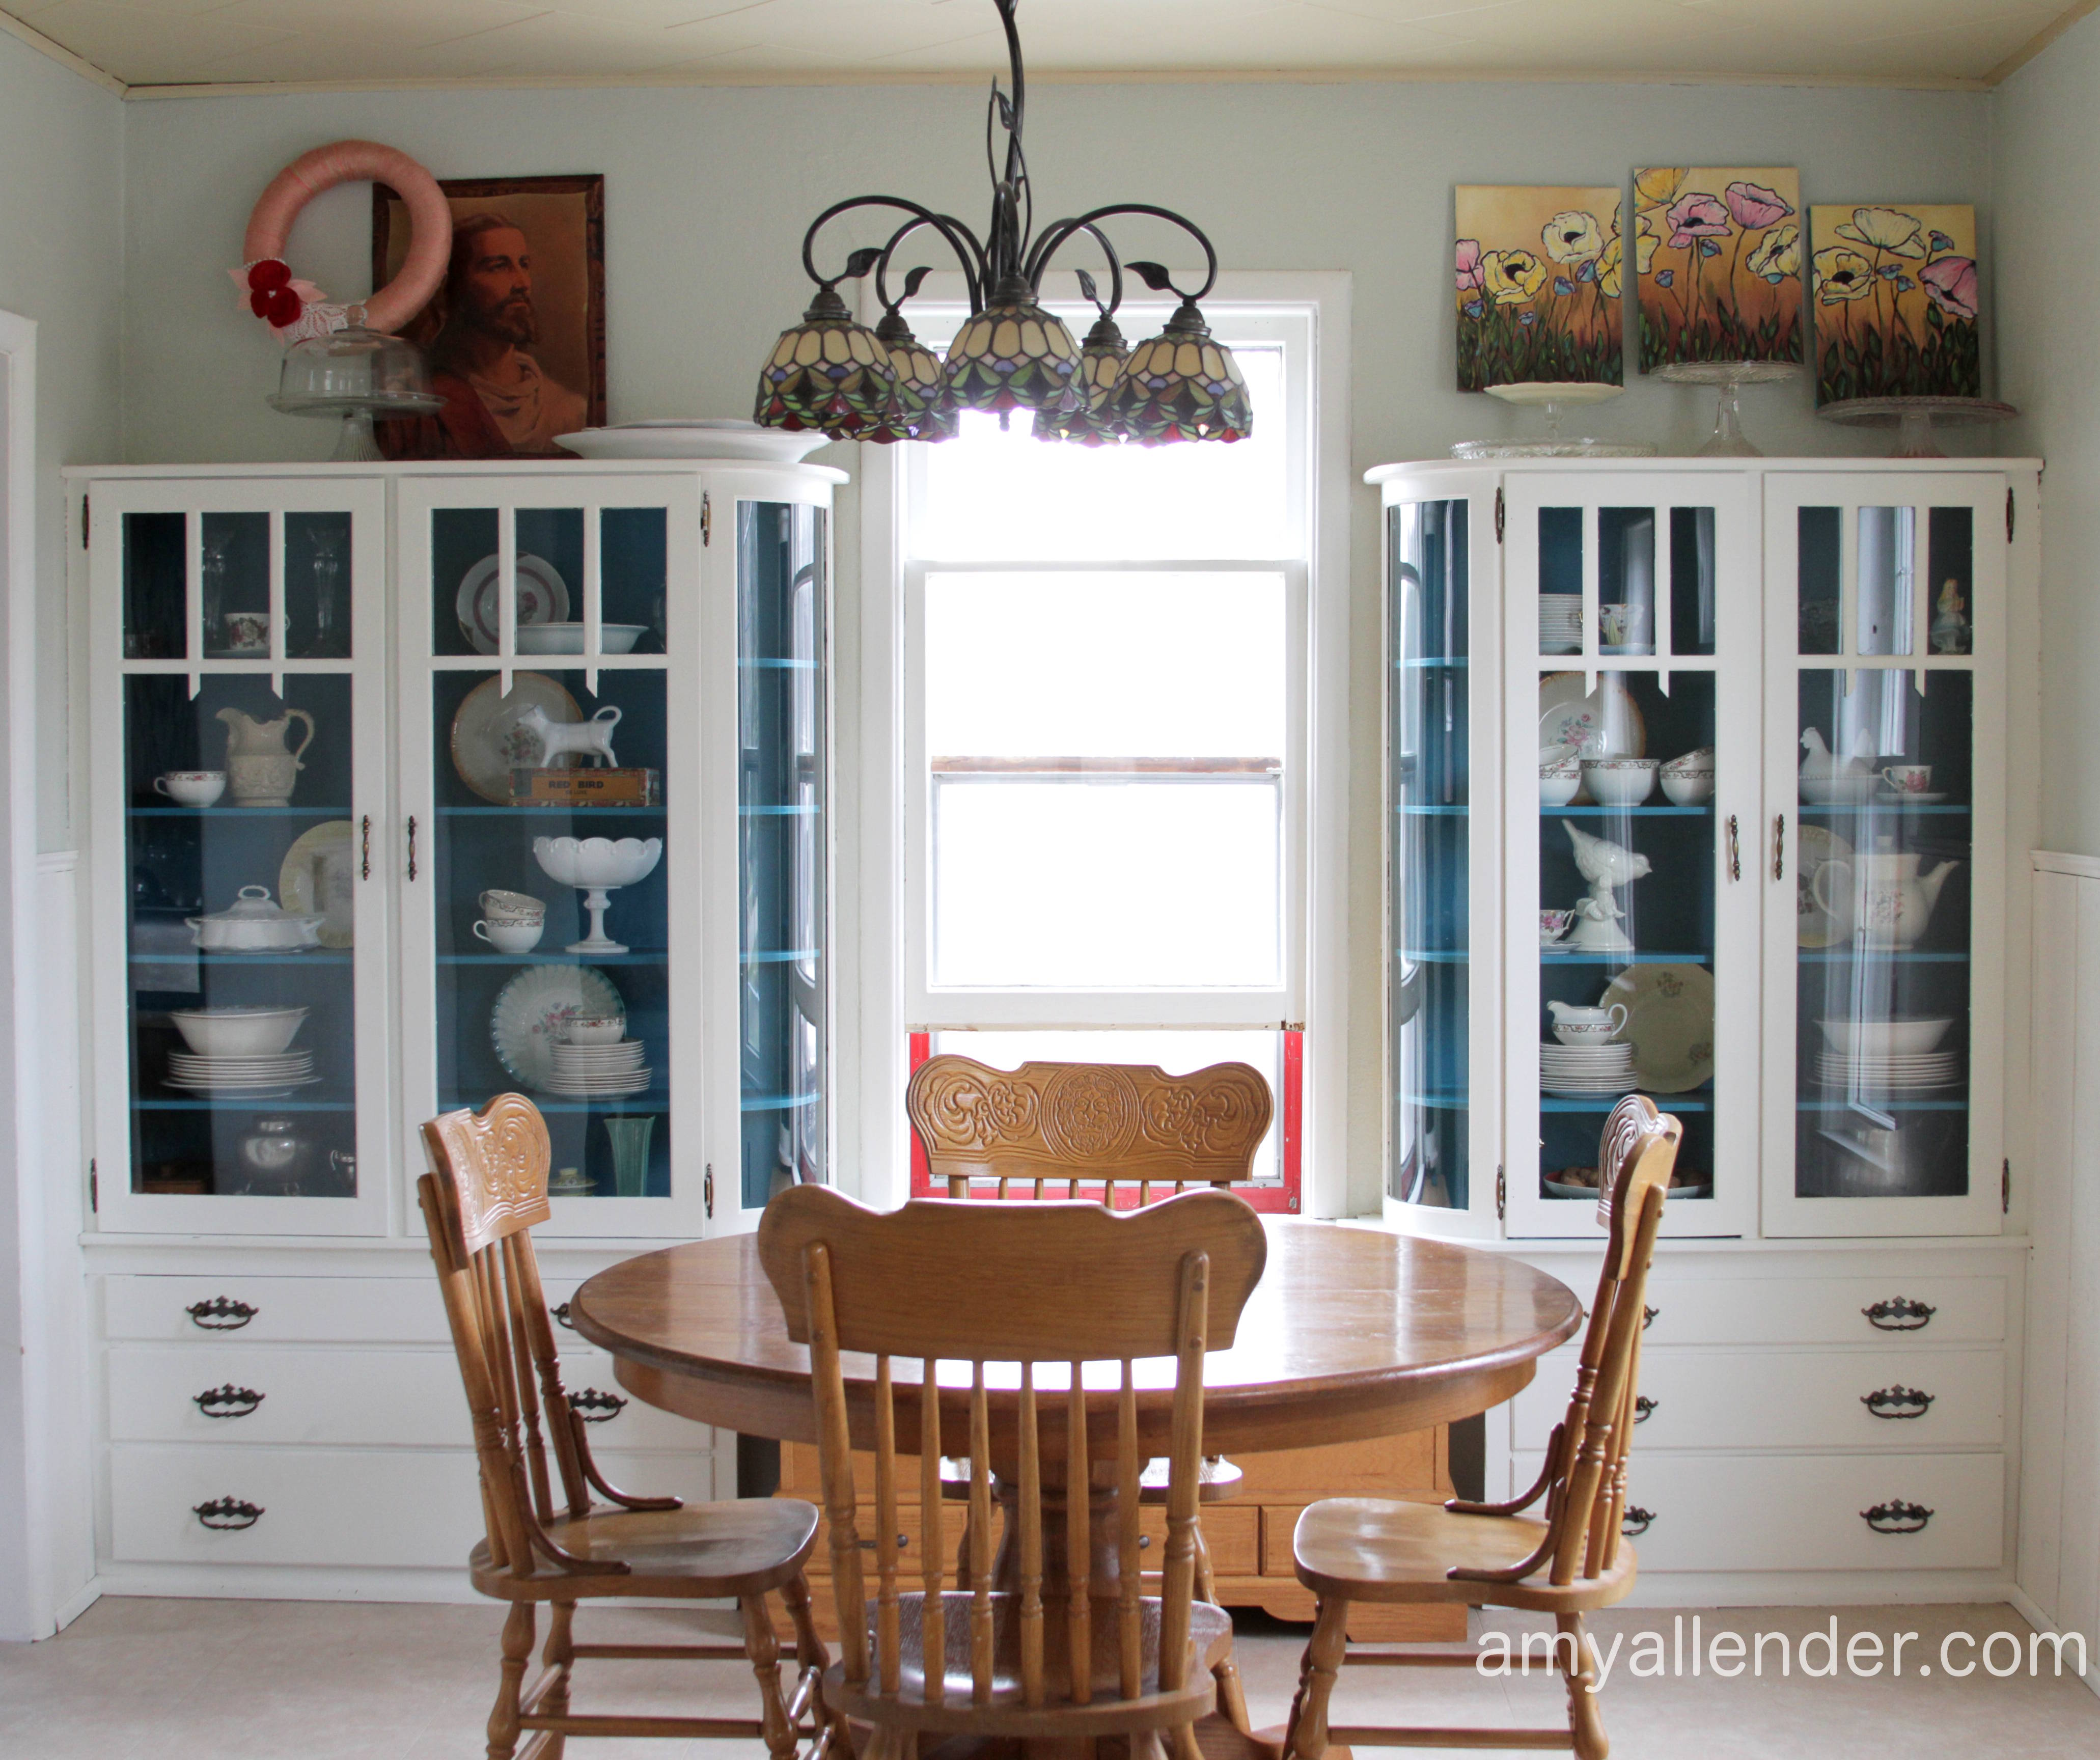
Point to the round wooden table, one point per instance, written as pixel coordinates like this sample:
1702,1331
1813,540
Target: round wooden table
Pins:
1352,1334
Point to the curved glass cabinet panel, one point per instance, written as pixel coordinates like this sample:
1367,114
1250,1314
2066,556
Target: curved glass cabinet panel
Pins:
782,845
1431,977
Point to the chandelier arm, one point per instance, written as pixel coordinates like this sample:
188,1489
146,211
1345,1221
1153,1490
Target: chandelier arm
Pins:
1115,262
963,242
938,222
1054,237
1006,17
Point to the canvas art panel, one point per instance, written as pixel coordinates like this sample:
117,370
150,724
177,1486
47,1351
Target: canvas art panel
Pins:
1719,268
1538,272
1896,299
515,338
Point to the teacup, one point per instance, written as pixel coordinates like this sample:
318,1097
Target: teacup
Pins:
1908,778
192,788
1619,782
594,1029
1688,789
1588,1026
500,906
510,937
1624,625
248,632
1552,925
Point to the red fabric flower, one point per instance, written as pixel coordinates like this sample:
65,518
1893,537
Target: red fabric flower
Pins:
268,275
284,308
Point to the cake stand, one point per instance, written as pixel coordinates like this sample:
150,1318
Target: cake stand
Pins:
596,867
1728,378
1553,396
1912,418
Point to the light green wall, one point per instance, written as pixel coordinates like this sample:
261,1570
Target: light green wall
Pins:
61,190
2046,174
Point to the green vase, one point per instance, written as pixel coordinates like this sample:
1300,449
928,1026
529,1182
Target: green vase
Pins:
630,1153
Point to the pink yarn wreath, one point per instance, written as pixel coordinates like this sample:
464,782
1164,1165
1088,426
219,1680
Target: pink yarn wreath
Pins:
268,280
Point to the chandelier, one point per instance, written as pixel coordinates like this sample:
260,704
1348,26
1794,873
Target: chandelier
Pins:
833,373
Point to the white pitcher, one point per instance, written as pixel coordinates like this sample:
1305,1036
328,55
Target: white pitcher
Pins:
260,770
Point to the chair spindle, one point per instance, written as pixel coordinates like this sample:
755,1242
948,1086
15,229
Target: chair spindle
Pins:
933,1615
980,1629
1031,1491
888,1658
1130,1638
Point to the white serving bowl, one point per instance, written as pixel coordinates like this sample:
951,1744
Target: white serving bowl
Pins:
237,1032
1619,782
1899,1036
1559,783
568,638
255,923
594,1029
1688,789
688,438
597,861
1700,758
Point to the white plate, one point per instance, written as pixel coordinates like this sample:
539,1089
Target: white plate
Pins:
684,438
1606,724
487,740
230,1070
1570,1091
244,1090
1669,1018
543,598
567,1090
568,638
1931,798
533,1003
1814,927
318,876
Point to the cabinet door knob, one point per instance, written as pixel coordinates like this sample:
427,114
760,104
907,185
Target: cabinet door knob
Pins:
228,1401
1899,1313
1898,1401
1896,1518
227,1514
594,1407
1636,1521
1644,1408
220,1314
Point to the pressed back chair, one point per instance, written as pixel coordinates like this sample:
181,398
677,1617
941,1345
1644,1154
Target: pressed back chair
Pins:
486,1190
1571,1561
1062,1652
1053,1130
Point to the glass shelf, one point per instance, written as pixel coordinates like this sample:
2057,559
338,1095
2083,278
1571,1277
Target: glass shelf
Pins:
216,812
1635,813
1583,956
1883,956
559,957
1431,663
1887,810
233,961
552,810
1603,1103
244,1105
775,1102
1840,1103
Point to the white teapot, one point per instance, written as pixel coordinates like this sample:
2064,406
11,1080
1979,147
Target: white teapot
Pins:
1891,902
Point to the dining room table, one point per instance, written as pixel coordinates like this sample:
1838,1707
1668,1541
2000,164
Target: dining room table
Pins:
1353,1332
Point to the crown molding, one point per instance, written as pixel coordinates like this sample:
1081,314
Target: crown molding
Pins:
65,58
2036,43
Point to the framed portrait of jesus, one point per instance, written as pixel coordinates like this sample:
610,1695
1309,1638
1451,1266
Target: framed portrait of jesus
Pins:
515,338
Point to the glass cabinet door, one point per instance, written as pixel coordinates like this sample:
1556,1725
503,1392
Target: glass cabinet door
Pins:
1885,607
783,749
551,830
1439,994
1631,753
240,751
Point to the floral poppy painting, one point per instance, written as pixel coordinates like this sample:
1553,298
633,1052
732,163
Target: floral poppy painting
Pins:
1719,251
1895,298
1537,285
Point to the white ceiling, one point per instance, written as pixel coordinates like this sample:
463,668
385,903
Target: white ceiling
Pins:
158,42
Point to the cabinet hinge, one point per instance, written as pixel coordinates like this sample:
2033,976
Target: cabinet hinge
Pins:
2009,516
706,519
1498,516
1502,1195
2005,1188
707,1191
84,500
93,1191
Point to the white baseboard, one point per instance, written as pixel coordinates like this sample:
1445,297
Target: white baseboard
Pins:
2023,1604
78,1603
307,1582
1817,1589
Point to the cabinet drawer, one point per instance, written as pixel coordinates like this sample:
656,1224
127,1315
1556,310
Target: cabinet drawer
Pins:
1732,1311
1779,1512
1382,1467
1802,1400
345,1507
954,1517
1232,1531
352,1399
278,1310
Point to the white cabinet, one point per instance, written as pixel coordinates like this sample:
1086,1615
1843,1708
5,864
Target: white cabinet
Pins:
369,660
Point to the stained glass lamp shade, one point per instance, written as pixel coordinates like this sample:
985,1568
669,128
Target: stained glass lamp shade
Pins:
828,372
1101,360
1181,385
915,412
1011,355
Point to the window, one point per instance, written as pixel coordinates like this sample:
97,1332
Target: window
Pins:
1106,740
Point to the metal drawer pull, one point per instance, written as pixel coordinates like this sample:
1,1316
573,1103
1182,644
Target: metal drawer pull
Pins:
1636,1521
562,1316
1735,850
220,1314
1899,1313
1778,846
228,1401
227,1514
594,1407
412,846
1896,1518
903,1541
365,846
1644,1408
1898,1401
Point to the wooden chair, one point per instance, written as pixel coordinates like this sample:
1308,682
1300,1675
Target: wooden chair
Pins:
1047,1125
1569,1563
1056,1284
487,1187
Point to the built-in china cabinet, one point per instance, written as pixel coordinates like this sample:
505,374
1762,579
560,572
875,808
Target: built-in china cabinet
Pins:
1712,780
409,785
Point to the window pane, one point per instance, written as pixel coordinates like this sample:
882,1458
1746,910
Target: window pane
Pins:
1176,1053
990,495
1088,882
1187,665
1887,603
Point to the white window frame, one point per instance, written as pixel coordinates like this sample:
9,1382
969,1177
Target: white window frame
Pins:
882,985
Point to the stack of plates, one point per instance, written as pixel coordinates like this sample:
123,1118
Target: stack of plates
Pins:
1586,1069
241,1077
589,1072
1888,1072
1560,623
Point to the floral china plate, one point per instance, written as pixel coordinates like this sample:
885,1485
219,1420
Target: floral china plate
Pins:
1605,723
487,740
543,598
533,1005
1669,1018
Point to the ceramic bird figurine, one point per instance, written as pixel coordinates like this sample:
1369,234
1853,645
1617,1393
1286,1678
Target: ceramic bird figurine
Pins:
1606,866
1819,764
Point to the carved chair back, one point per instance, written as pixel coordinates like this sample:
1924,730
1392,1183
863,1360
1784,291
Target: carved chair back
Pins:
486,1190
1587,1496
1047,1288
1049,1124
